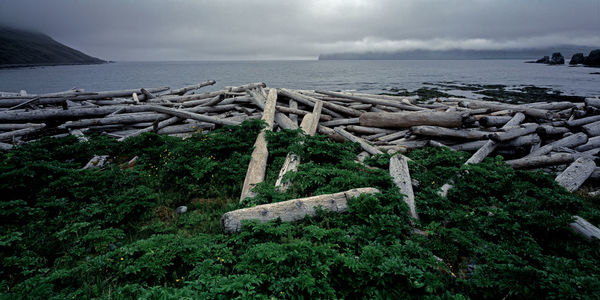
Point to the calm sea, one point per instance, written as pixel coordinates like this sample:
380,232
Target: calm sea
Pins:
366,76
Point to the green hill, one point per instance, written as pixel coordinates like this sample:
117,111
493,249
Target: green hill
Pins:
23,48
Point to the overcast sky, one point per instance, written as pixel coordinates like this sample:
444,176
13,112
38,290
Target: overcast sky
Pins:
282,29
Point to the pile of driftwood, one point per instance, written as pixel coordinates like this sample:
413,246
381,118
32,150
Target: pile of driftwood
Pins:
561,137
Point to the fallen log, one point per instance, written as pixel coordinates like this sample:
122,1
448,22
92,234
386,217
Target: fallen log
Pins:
437,131
576,174
522,141
592,129
585,228
291,210
116,119
194,116
298,112
593,102
409,119
338,122
494,121
20,132
513,133
258,95
497,106
369,130
582,121
373,101
541,161
186,89
306,100
399,171
549,130
569,142
491,144
592,143
258,161
363,144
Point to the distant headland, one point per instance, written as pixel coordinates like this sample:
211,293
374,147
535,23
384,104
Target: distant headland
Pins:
22,48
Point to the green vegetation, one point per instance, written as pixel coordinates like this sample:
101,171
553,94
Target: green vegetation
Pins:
112,233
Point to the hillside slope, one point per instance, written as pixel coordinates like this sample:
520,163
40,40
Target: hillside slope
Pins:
20,47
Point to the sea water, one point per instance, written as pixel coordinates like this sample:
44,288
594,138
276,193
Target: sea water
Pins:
372,76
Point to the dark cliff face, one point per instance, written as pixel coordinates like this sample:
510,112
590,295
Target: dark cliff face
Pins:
20,47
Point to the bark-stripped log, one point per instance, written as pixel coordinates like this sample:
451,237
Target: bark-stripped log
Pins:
592,143
291,210
569,142
306,100
549,130
513,133
522,141
258,161
338,122
194,116
374,101
576,174
186,89
592,129
366,146
491,144
437,131
541,161
20,132
399,171
409,119
585,228
368,130
583,121
593,102
298,112
533,112
494,121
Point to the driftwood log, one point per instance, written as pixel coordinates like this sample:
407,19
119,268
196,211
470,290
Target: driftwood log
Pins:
399,171
291,210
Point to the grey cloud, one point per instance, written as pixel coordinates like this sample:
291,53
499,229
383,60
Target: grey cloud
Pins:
264,29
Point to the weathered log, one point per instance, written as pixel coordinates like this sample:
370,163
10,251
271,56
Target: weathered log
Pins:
298,112
551,105
372,137
366,146
409,144
8,127
494,121
497,106
245,87
294,116
583,121
373,101
117,119
154,128
338,122
194,116
291,210
258,161
184,128
20,132
592,129
437,131
399,171
585,228
569,142
393,136
576,174
513,132
491,144
368,130
409,119
185,89
281,119
592,143
5,146
53,114
549,130
541,161
593,102
306,100
522,141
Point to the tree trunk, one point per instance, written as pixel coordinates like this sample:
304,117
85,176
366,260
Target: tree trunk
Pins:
291,210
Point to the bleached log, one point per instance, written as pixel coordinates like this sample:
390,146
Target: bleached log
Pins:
437,131
97,161
592,129
156,127
576,174
15,126
20,132
52,114
372,137
373,101
281,119
583,121
194,116
409,119
368,130
494,121
592,143
513,133
117,119
363,144
522,141
491,144
551,105
338,122
399,171
258,161
497,106
393,136
569,142
593,102
409,144
294,116
5,146
185,89
549,130
306,100
541,161
298,112
246,87
184,128
147,93
291,210
585,228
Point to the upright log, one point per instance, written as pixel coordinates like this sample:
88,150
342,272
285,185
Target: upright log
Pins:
399,171
576,174
258,161
291,210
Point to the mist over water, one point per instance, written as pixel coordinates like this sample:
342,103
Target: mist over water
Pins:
363,76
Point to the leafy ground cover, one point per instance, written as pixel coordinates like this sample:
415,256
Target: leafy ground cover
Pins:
113,233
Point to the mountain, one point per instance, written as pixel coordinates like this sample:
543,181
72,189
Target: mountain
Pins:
27,48
533,53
